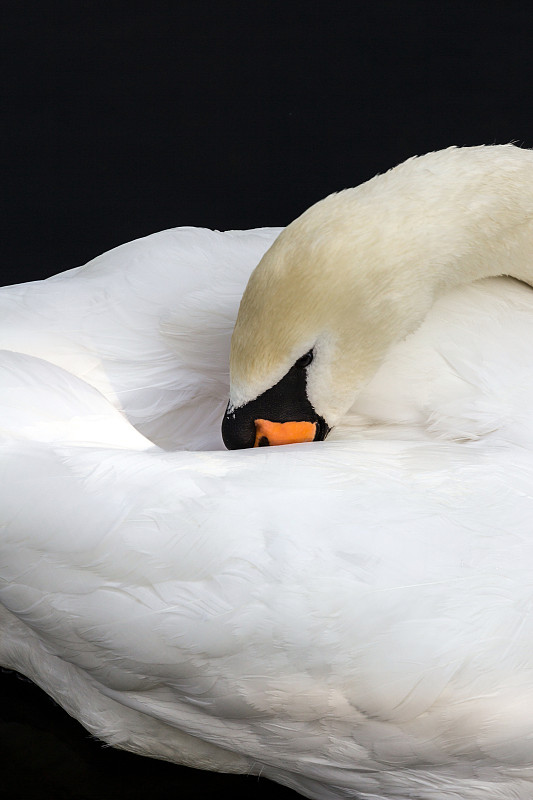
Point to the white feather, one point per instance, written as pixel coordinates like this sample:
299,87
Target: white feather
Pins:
350,618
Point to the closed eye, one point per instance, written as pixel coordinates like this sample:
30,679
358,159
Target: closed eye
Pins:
305,360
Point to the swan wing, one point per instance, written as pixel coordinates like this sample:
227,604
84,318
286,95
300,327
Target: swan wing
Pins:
465,374
148,324
330,613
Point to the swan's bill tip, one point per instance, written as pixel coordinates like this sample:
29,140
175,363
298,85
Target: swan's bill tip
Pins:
269,433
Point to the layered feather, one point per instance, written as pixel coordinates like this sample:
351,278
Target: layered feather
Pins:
350,618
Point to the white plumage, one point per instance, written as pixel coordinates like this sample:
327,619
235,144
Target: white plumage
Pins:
351,618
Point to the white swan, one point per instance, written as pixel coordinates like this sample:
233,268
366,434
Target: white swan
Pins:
352,618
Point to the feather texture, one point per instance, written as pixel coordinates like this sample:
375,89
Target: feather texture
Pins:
350,618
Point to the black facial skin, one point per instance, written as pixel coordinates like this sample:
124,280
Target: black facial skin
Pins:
287,401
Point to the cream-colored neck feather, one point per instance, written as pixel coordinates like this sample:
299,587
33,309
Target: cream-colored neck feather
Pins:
360,269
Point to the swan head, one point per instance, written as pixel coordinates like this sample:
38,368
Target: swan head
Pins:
309,332
359,271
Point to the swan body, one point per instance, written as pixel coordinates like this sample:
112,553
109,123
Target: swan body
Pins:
352,618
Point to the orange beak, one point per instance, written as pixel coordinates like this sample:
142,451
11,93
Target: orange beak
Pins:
272,433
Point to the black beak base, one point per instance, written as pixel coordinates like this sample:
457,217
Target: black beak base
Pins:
287,401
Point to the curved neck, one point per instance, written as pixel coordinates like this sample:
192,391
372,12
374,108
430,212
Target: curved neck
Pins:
360,270
428,226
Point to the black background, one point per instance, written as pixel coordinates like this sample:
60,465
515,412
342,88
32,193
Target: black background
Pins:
122,119
126,118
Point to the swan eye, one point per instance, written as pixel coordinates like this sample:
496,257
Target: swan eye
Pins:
304,361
